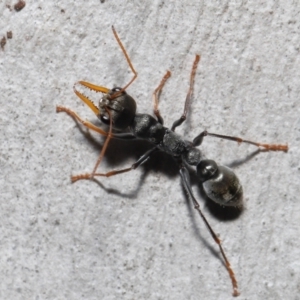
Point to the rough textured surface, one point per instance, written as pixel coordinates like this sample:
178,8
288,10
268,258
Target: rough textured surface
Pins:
135,236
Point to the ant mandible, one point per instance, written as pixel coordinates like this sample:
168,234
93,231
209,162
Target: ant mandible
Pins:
118,110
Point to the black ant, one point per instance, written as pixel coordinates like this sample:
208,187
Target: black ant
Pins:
118,110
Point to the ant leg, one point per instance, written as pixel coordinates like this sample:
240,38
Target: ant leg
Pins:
128,61
139,162
87,124
156,95
189,94
98,130
94,128
109,136
187,185
267,147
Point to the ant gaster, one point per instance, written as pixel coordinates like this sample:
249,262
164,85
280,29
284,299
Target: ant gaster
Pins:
118,110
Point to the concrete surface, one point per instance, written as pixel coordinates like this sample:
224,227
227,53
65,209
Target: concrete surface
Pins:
135,236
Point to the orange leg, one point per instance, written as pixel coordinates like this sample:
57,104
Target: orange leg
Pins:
189,94
187,185
102,153
140,161
91,126
267,147
87,124
156,95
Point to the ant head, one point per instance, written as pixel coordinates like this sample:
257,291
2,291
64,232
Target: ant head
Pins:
220,184
121,107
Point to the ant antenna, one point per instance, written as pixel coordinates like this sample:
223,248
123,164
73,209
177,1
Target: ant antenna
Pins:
128,61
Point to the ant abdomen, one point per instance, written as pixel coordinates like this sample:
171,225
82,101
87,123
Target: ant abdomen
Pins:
121,107
220,183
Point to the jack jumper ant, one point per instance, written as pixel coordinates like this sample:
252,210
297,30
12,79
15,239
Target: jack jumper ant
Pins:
118,110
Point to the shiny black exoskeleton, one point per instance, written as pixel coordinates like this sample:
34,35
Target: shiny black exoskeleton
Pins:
219,182
118,110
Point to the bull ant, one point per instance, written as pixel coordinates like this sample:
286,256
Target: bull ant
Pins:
118,110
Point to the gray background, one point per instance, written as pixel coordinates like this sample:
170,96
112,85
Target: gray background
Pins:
135,236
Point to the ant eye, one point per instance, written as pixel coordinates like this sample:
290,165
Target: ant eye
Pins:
116,89
105,119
